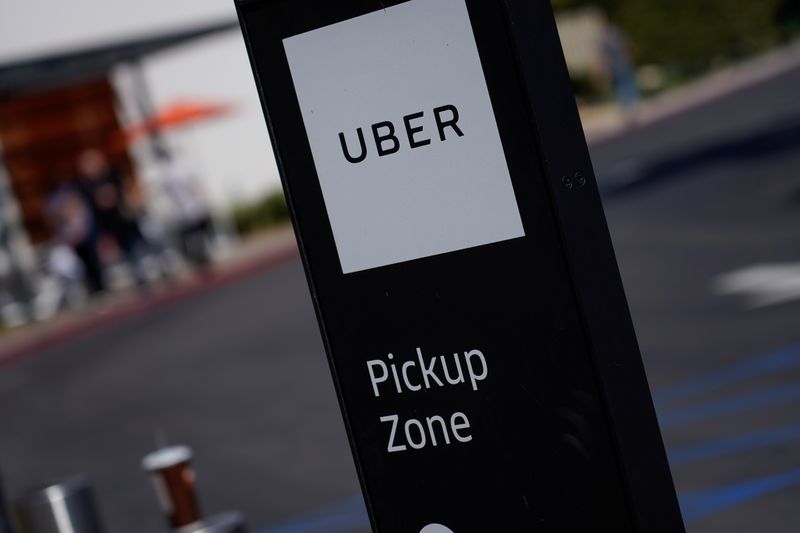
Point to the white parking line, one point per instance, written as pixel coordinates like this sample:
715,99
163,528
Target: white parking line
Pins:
762,284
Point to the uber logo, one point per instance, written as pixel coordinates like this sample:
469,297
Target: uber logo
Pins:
387,143
403,135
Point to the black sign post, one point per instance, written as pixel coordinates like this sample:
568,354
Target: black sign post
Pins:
460,264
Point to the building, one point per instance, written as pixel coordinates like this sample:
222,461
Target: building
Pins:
54,105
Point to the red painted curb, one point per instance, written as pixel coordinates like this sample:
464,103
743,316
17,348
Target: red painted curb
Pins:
84,325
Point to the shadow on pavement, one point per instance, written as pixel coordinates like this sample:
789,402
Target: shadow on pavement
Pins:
767,142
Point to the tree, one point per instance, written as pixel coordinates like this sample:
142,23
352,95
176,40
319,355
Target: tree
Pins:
689,35
693,33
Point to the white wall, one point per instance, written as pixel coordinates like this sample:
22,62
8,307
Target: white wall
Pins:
33,27
231,154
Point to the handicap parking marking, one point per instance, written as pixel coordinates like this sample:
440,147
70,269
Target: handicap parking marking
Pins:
704,503
729,405
743,370
738,443
345,516
700,504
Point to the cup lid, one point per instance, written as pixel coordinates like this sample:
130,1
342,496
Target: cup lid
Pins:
166,457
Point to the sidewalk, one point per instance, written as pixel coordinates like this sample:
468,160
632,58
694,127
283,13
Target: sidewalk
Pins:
252,255
605,122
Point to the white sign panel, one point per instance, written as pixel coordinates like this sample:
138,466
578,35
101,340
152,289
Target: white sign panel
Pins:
403,135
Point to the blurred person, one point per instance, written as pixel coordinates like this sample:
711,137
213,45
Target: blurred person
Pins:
17,289
619,64
66,267
109,196
194,223
76,231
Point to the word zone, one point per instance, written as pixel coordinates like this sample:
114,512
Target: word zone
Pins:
388,376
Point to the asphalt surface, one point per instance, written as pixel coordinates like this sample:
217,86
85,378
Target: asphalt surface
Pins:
700,195
239,374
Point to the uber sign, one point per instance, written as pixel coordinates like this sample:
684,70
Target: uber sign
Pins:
403,135
459,261
389,135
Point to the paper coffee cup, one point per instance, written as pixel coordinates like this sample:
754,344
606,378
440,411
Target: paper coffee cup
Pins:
173,479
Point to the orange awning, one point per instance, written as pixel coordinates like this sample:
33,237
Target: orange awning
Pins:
177,114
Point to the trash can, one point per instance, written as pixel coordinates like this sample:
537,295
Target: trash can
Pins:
66,507
231,522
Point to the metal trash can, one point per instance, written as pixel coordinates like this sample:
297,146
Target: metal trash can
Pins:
231,522
66,507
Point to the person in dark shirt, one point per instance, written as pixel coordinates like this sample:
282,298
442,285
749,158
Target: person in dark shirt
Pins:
104,190
74,224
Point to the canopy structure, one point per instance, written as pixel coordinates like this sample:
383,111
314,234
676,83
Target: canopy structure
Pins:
44,72
53,107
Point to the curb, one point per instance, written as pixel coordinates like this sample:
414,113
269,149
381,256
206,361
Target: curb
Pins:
33,341
717,85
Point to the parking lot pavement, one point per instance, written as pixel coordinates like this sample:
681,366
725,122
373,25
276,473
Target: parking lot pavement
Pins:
238,371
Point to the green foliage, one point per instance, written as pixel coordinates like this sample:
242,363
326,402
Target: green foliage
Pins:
263,213
689,35
789,17
607,5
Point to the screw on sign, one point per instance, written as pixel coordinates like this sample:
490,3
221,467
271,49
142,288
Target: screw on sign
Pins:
577,180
